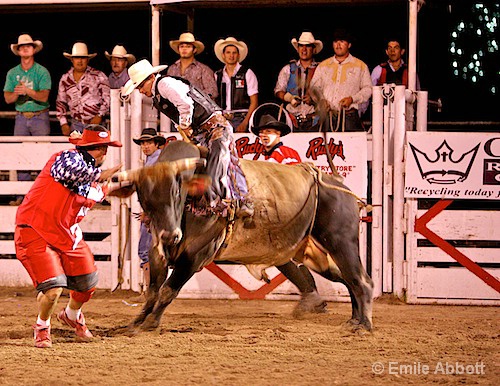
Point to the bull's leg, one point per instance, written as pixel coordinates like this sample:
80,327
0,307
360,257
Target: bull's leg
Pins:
182,272
310,300
158,275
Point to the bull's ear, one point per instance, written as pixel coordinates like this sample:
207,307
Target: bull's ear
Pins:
121,191
197,185
187,164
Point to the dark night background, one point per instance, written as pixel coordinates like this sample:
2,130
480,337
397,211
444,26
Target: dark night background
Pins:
267,32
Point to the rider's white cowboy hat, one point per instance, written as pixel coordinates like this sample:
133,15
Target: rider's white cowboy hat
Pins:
187,37
308,38
230,41
120,52
79,50
138,72
23,40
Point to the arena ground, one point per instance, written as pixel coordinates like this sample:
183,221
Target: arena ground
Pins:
236,342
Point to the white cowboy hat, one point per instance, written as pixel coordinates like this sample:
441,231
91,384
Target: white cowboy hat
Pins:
79,50
26,39
230,41
187,37
308,38
137,73
120,52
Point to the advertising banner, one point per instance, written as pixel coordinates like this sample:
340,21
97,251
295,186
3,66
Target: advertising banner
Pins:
452,165
348,150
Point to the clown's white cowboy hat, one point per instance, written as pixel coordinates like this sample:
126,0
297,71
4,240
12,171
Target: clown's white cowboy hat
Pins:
120,52
138,72
308,38
187,37
93,135
79,50
23,40
230,41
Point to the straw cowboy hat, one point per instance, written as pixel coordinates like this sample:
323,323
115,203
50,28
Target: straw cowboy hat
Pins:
80,51
187,37
272,116
230,41
150,134
308,38
26,39
137,73
120,52
93,135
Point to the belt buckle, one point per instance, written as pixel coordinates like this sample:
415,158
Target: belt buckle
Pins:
29,114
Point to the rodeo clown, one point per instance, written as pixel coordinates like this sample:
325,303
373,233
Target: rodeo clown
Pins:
48,238
270,122
199,119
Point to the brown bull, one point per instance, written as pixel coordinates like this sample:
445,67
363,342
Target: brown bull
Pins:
299,213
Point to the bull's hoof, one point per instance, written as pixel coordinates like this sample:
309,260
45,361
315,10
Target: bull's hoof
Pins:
312,303
355,326
150,324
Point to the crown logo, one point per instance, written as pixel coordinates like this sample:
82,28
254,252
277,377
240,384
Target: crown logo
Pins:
444,167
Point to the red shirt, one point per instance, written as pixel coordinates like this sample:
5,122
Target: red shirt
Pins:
283,155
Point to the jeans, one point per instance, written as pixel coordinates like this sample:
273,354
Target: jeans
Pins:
39,125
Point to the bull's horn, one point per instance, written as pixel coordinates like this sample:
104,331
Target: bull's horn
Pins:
127,175
187,164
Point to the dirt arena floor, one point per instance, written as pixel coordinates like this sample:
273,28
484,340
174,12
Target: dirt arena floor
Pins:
236,342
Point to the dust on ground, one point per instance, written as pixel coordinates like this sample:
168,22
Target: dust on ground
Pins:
254,342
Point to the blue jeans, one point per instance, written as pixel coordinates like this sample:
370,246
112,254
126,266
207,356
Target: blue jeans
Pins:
144,244
39,125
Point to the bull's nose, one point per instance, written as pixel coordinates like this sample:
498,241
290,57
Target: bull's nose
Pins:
171,238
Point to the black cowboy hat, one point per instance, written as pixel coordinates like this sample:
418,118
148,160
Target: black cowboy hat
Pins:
271,115
269,122
149,134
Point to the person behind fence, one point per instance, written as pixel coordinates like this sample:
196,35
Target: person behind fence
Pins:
83,92
198,74
199,119
394,70
119,60
238,86
342,83
28,86
151,144
270,124
49,242
294,79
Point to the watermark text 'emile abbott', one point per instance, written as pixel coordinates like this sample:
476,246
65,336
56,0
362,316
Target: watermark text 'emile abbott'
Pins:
419,368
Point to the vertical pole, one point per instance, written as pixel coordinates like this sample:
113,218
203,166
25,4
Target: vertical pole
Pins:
398,245
422,107
377,188
412,46
155,35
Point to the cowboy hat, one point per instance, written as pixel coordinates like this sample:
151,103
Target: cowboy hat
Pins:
137,73
230,41
308,38
187,37
273,116
93,135
120,52
150,134
26,39
79,50
342,34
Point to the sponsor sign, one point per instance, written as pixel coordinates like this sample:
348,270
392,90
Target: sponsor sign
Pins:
348,150
452,165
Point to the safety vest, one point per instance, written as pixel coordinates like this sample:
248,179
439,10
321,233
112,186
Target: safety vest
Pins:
297,75
239,92
399,77
204,106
